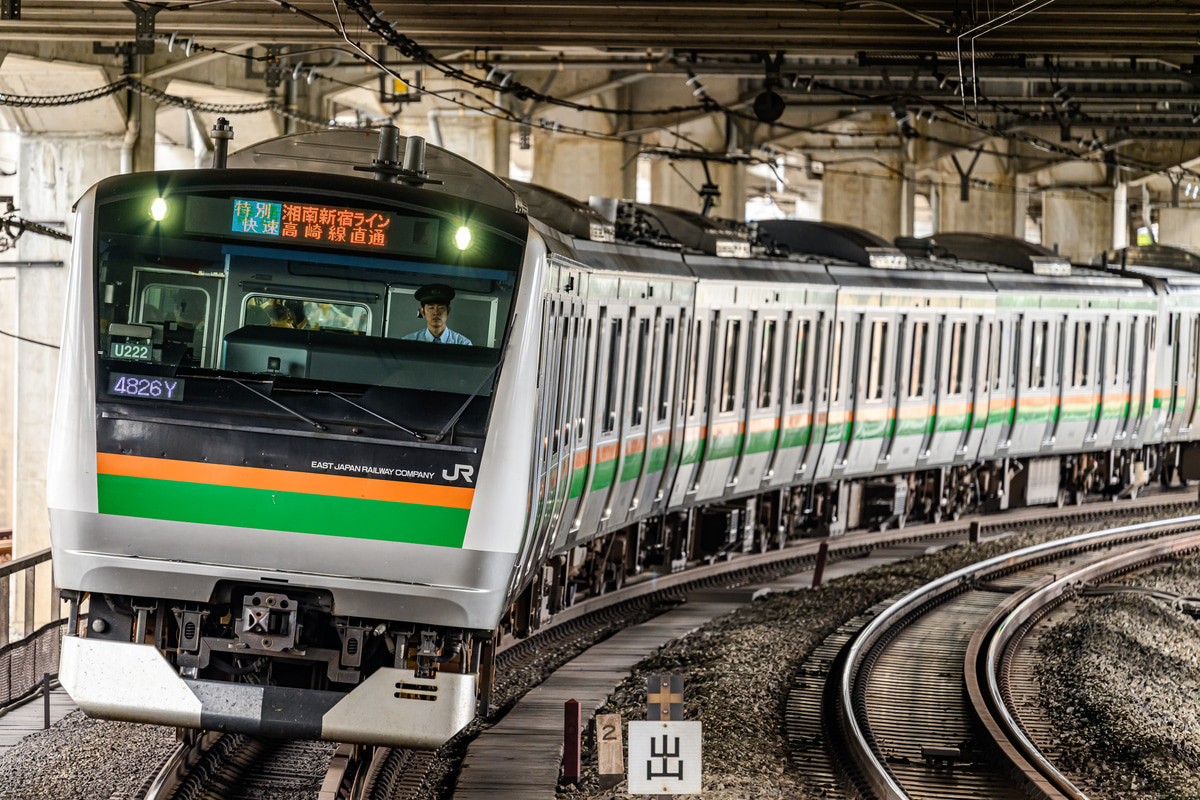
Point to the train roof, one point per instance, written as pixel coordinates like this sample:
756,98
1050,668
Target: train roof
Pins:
564,213
832,240
342,150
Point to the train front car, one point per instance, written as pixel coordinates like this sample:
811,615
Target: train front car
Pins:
268,472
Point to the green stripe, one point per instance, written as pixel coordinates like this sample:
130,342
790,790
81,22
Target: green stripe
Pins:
836,432
578,477
263,509
796,437
914,426
632,467
657,460
950,422
725,447
692,451
1036,414
605,471
762,441
872,429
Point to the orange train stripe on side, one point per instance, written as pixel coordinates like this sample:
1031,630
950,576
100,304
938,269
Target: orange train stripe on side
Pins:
284,481
764,424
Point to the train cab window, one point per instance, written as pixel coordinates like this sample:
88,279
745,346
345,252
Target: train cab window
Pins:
666,364
877,357
1038,347
609,421
181,314
800,370
637,402
733,334
835,370
766,364
920,344
1082,359
958,358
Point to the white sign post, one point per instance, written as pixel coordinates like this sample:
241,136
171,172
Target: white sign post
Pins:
664,757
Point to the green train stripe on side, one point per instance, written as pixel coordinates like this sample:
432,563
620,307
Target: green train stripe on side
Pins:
323,515
605,471
632,466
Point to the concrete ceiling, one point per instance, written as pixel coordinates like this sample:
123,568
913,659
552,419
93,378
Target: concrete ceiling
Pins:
1145,28
1112,84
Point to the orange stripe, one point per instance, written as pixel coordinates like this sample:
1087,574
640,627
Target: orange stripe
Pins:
727,429
607,453
796,420
764,424
1000,404
874,414
914,412
945,409
1027,402
275,480
660,440
1081,400
581,459
635,446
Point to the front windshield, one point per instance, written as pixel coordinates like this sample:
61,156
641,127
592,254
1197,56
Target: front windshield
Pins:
255,287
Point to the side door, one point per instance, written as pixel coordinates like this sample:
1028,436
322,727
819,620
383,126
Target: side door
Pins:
583,417
636,418
980,391
763,401
605,422
695,405
801,331
661,416
873,409
726,405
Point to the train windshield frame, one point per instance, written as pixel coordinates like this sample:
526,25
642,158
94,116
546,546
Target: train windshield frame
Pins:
300,287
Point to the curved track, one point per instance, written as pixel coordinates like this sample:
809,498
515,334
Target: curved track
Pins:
894,709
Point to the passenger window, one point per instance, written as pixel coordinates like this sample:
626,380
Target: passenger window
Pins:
1115,357
836,368
636,399
616,328
589,381
876,360
998,343
733,333
766,365
800,371
916,377
1083,343
958,357
695,370
667,361
1037,355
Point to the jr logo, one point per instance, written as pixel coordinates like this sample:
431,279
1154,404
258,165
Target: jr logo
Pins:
465,470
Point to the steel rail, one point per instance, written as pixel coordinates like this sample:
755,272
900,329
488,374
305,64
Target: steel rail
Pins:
1010,624
880,779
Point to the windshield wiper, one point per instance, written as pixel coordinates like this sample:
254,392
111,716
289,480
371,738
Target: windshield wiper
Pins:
273,401
462,409
418,436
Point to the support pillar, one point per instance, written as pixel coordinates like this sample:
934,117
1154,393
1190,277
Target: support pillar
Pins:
1120,223
56,170
1179,226
866,195
576,166
990,205
1077,225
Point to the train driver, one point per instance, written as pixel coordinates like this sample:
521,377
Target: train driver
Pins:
434,299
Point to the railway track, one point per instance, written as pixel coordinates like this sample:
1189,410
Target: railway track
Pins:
880,710
213,767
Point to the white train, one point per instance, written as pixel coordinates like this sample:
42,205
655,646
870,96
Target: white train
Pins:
291,518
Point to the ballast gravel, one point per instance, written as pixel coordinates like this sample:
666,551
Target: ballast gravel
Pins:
738,668
1121,681
84,759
